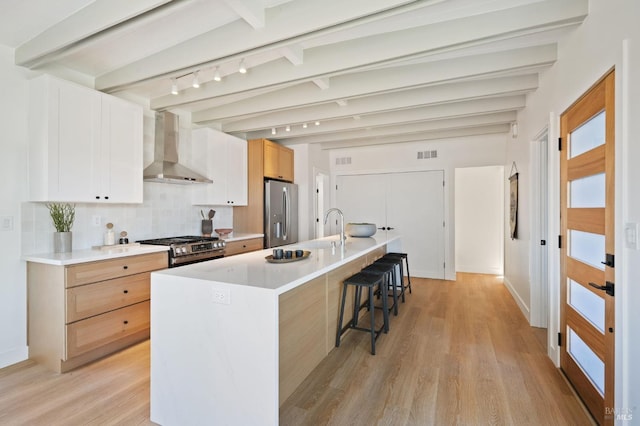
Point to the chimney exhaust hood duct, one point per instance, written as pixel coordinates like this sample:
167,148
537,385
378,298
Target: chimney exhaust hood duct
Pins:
165,167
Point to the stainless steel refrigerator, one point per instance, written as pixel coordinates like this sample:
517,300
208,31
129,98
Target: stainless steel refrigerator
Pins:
280,213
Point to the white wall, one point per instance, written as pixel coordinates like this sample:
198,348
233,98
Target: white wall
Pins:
479,219
487,150
584,57
13,175
308,158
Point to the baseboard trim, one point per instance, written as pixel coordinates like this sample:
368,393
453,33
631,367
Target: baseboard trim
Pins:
14,356
523,307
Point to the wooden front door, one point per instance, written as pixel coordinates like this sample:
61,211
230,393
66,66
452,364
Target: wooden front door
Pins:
587,247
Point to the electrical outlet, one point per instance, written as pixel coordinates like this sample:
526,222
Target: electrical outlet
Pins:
95,219
222,296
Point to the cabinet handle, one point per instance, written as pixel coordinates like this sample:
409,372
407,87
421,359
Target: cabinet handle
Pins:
126,291
106,197
97,197
126,322
125,267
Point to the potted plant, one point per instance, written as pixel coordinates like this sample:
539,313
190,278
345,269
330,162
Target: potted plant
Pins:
62,215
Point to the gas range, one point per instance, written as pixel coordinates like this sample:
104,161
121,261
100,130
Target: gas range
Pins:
190,249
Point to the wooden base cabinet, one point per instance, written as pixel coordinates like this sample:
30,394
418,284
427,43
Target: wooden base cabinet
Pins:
308,321
243,246
79,313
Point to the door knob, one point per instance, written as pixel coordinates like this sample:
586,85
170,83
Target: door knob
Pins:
608,287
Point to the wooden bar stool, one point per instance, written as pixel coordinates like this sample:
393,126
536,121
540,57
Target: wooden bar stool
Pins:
405,257
370,282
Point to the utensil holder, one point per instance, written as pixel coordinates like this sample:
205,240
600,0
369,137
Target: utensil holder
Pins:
207,227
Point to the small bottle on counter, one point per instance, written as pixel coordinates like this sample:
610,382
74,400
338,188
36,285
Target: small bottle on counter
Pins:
109,236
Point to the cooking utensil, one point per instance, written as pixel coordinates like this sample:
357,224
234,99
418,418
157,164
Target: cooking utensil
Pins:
202,214
212,213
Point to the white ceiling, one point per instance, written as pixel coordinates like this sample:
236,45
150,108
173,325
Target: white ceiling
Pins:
370,71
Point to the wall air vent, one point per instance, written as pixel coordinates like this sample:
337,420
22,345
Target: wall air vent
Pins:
424,155
341,161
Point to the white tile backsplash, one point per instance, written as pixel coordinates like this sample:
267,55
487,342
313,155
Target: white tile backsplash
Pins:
166,211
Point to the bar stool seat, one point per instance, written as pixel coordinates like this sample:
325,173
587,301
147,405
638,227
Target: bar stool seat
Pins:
370,282
405,257
387,272
394,263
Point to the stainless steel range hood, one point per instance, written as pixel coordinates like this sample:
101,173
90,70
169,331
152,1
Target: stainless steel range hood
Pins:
165,167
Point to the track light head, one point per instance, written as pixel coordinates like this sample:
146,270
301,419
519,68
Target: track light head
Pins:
243,68
174,86
216,74
196,80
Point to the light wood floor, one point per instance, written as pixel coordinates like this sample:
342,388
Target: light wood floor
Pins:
459,353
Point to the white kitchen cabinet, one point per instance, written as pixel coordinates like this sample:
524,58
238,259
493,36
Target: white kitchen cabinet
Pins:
223,159
84,145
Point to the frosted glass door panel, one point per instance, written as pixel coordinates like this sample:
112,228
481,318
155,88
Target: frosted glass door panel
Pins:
588,192
587,248
588,136
588,361
589,305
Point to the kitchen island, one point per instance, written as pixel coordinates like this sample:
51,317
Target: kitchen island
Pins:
232,338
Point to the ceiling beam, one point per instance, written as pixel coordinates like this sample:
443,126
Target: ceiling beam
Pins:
417,137
93,19
473,121
414,115
358,85
285,24
251,11
400,100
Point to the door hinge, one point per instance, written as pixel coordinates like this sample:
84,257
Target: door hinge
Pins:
336,187
559,241
559,339
543,242
317,191
559,144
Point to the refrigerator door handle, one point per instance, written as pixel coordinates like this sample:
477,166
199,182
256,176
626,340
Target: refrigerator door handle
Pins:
285,207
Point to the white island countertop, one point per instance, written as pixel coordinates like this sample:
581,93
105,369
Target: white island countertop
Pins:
253,270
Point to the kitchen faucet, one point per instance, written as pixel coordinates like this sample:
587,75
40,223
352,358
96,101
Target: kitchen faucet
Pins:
343,237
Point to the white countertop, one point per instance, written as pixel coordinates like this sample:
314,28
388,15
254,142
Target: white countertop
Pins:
94,254
251,269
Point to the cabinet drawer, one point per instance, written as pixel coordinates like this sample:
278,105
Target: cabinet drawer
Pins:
94,332
85,273
243,246
93,299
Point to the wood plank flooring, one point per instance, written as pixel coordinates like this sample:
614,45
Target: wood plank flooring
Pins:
459,353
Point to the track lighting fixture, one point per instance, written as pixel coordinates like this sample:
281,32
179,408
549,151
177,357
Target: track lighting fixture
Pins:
174,86
243,68
196,81
288,128
317,123
216,74
273,130
304,125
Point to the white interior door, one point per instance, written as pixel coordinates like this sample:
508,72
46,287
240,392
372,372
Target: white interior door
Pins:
411,204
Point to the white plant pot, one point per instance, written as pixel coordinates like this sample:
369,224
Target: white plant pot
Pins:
62,242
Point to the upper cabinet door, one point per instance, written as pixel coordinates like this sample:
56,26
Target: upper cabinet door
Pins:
223,159
278,161
121,151
84,146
